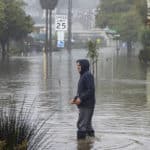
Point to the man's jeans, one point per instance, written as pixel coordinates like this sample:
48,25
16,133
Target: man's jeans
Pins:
84,123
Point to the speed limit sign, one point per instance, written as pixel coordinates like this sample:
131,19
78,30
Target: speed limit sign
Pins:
61,23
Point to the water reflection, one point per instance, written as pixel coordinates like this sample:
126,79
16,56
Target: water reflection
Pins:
51,79
11,67
148,85
70,80
85,144
45,65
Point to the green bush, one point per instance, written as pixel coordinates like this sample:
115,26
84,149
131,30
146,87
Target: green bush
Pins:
17,129
146,38
93,55
15,51
2,145
92,51
144,54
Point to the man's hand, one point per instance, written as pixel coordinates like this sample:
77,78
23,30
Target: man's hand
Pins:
72,101
77,101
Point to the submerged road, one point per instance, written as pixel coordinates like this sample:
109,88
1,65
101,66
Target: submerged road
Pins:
121,119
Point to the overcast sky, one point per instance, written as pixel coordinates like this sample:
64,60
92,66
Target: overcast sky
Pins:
33,5
34,9
79,3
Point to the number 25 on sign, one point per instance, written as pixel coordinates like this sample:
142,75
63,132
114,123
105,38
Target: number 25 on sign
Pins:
61,23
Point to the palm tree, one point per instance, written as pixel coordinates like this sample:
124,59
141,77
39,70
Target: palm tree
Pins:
48,5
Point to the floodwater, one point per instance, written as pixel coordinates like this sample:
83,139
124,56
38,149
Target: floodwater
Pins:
122,114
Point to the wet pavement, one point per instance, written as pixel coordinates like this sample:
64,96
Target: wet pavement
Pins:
121,119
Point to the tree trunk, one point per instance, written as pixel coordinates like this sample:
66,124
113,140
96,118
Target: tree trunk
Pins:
96,68
129,48
7,47
93,66
3,45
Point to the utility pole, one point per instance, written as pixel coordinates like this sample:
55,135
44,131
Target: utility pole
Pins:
46,35
50,30
69,24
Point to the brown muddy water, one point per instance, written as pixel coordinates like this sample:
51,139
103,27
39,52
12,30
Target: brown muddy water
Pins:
122,114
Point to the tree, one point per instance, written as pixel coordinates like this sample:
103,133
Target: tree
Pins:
16,24
93,54
144,54
125,16
141,6
2,18
48,5
129,28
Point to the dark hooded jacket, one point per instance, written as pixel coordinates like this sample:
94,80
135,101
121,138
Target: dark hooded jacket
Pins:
86,86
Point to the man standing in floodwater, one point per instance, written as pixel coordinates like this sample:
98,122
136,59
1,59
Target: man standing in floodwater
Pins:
85,100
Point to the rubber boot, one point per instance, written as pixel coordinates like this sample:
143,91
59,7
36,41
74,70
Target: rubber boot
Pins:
81,135
91,133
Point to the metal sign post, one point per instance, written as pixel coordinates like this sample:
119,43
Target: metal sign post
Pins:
60,39
61,25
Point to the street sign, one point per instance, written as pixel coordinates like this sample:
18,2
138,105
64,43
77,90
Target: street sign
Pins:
60,44
61,23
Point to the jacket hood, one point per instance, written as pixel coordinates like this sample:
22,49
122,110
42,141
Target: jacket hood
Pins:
84,65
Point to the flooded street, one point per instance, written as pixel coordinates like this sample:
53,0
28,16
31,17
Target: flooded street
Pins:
121,119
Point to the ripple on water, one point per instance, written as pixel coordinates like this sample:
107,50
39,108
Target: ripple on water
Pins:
103,142
120,142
